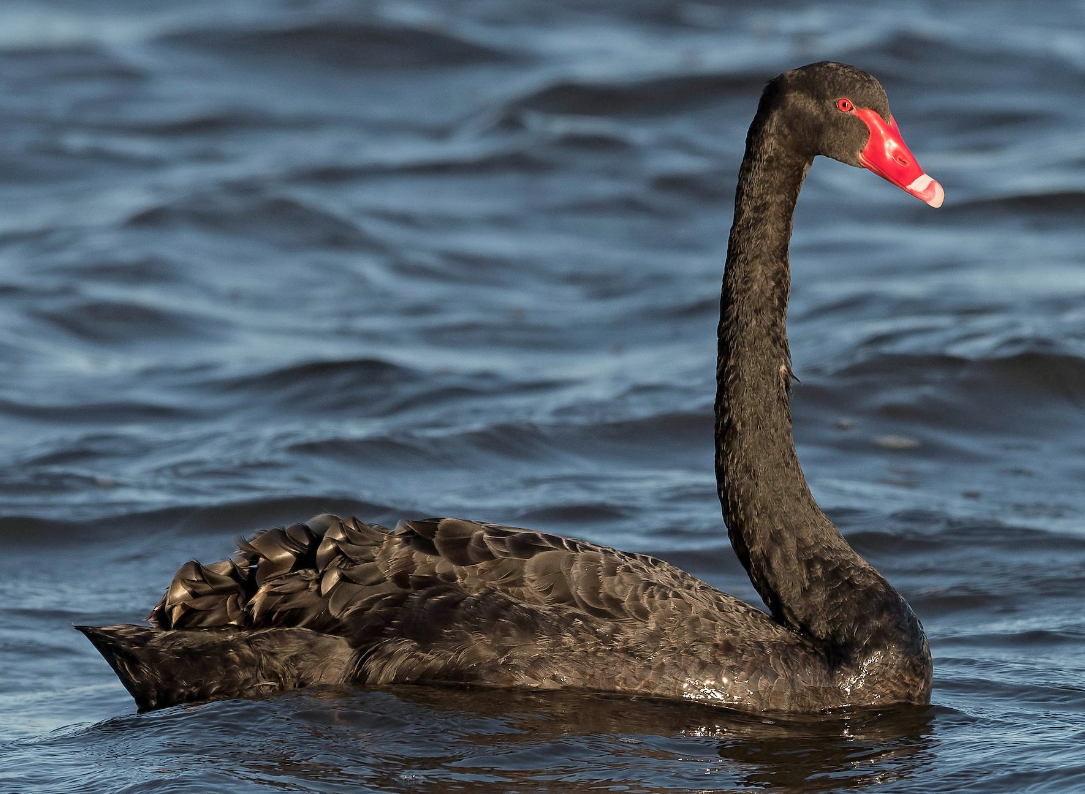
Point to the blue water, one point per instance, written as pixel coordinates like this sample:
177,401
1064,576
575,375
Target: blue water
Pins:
263,259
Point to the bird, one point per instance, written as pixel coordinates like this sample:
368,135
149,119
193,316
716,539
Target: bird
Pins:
455,602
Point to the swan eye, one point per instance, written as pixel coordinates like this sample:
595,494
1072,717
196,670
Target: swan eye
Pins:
844,105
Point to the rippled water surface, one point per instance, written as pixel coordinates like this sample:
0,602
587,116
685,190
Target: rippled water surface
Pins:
263,259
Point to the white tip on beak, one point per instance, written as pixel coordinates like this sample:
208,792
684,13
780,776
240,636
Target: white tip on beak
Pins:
927,189
939,196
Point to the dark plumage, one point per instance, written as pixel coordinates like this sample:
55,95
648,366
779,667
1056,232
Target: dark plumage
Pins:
446,600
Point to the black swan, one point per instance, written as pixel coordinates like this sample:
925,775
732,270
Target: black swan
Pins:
450,601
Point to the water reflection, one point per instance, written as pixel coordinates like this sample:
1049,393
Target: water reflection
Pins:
438,739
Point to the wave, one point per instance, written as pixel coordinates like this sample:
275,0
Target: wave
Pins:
668,94
369,386
467,450
680,429
573,513
286,222
592,141
180,122
568,443
90,412
710,187
1022,377
1069,203
135,270
119,322
220,520
68,62
627,203
450,164
391,454
319,386
345,44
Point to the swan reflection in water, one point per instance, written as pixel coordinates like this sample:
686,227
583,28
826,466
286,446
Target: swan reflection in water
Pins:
437,738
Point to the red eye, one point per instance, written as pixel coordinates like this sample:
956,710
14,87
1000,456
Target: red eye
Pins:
843,105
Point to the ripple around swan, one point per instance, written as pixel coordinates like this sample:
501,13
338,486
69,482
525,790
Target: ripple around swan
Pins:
490,742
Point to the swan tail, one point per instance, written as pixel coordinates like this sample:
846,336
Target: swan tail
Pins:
278,577
205,596
164,667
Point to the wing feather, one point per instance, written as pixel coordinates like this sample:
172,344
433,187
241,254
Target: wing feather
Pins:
455,600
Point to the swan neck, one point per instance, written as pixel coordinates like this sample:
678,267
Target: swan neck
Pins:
796,558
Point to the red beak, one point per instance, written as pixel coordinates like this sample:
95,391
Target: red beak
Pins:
887,155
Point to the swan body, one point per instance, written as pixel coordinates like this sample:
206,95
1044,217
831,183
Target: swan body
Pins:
335,600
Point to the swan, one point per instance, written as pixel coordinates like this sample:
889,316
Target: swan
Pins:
334,600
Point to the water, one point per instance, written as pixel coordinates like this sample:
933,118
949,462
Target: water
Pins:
264,259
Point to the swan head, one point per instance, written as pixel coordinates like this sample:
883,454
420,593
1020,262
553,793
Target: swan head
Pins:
842,112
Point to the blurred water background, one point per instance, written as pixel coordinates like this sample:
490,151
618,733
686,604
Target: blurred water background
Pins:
462,257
